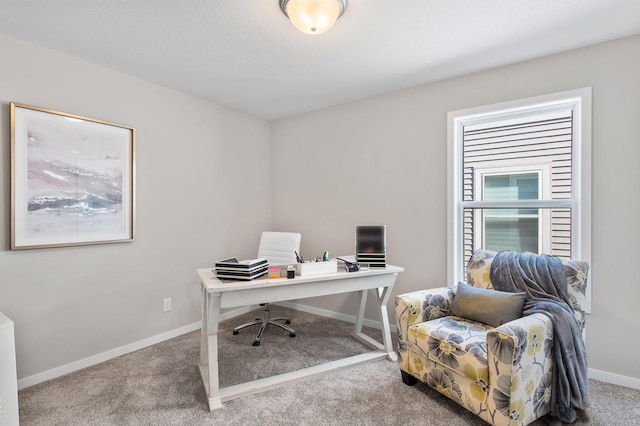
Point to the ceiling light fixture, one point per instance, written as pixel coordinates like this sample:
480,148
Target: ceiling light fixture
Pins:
313,16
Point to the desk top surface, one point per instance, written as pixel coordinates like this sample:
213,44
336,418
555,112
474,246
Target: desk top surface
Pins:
209,280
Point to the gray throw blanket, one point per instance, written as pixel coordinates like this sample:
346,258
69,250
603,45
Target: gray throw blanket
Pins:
544,280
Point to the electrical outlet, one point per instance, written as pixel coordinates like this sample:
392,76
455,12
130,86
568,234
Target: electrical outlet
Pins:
167,305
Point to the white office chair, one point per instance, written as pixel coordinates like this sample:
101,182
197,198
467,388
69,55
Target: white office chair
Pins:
279,248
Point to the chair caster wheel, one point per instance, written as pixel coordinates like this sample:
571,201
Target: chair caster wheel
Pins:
287,322
235,332
256,343
292,334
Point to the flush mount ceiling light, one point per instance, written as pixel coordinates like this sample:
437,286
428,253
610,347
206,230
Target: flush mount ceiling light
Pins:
313,16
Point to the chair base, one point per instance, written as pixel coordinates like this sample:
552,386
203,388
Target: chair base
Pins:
264,322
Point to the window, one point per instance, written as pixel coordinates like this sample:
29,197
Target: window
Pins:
519,178
511,229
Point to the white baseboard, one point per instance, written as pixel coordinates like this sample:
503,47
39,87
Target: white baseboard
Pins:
334,315
105,356
615,379
603,376
122,350
236,312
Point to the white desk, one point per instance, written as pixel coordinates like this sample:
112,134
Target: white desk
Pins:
217,295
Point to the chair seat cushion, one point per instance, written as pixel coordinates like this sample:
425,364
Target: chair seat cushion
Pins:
455,343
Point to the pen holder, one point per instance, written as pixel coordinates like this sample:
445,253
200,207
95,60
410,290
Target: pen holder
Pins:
314,268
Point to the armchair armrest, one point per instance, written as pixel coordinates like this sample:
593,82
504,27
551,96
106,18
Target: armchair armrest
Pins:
419,306
519,356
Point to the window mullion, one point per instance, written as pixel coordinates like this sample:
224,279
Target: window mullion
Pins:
520,204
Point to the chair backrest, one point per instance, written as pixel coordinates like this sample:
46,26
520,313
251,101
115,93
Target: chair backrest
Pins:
577,271
279,247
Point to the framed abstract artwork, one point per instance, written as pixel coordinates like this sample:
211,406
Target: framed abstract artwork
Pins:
72,179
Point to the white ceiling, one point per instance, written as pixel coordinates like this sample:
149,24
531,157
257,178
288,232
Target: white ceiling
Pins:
244,54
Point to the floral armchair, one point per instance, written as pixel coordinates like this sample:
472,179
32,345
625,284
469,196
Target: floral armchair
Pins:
503,373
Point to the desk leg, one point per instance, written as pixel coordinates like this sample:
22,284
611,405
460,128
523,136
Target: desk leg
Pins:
383,297
209,348
360,317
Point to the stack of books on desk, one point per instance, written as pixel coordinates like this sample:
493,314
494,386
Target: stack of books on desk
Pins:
234,269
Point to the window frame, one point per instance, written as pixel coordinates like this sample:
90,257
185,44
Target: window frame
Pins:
580,202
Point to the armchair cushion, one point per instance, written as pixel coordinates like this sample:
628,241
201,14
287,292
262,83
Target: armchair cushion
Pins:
454,343
490,307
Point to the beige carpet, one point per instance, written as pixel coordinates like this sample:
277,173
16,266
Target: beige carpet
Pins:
161,385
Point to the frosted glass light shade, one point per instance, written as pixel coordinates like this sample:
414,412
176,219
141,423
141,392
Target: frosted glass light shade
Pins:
313,16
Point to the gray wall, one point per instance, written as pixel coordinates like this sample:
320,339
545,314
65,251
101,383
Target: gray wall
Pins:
195,204
384,161
378,161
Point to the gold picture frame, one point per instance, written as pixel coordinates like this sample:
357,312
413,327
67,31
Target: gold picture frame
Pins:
72,179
